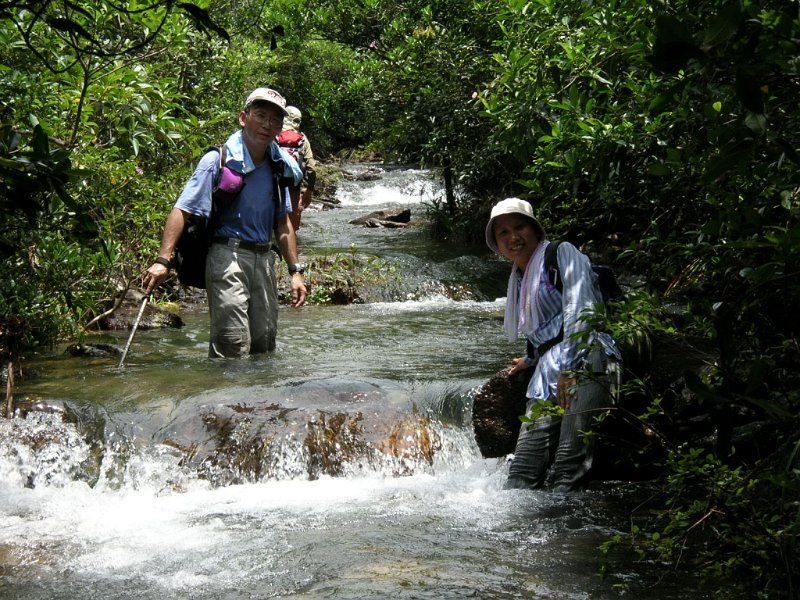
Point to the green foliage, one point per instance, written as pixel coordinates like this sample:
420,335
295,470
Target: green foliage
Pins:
426,60
730,524
341,278
43,231
87,82
542,409
673,129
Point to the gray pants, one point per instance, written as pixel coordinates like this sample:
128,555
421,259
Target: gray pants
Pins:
559,441
242,300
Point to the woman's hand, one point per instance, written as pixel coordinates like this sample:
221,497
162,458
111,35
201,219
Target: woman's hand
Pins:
517,365
565,391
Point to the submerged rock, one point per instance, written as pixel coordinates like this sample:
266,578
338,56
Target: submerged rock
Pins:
93,350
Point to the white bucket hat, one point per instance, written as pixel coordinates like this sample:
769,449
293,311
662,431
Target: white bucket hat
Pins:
509,206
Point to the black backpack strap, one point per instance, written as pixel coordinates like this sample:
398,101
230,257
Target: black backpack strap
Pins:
554,277
551,265
278,181
223,150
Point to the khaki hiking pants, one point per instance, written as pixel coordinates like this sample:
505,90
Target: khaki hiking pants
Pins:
242,300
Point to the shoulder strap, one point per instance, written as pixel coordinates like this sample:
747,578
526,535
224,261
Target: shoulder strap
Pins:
553,276
551,265
222,149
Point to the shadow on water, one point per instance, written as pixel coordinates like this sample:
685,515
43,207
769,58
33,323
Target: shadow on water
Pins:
343,465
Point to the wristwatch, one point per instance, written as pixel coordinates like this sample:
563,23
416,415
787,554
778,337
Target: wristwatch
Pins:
297,268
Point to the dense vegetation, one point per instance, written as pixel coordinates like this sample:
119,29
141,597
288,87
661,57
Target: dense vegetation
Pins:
668,132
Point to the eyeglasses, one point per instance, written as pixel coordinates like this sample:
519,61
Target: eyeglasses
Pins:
266,119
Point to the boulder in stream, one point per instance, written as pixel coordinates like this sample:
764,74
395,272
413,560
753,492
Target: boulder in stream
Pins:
395,217
259,440
496,409
153,317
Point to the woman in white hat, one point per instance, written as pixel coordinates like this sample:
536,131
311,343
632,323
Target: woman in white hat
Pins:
570,359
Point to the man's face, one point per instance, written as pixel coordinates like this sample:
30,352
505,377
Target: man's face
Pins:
261,122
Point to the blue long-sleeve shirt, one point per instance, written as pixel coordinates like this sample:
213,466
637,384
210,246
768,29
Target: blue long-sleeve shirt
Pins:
581,293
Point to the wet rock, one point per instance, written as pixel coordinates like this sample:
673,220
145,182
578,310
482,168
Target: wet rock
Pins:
25,407
19,375
370,174
397,217
255,441
153,317
496,409
93,350
343,296
50,450
375,223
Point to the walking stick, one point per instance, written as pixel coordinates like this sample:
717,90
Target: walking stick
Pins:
133,331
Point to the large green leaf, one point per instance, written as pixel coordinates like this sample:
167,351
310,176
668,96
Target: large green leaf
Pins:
723,26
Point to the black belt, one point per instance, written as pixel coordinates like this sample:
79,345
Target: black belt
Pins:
542,348
243,244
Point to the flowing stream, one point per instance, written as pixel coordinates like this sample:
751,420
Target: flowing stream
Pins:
362,478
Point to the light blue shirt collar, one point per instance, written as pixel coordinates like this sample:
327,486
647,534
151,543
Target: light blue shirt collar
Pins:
238,158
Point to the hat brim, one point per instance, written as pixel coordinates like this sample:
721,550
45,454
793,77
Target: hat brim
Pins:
265,101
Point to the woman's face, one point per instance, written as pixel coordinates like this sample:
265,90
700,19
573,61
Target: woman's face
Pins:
516,238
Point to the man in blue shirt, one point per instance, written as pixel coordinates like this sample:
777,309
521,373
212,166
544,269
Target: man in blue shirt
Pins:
240,268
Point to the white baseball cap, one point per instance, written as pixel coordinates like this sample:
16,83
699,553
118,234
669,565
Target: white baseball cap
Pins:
266,95
509,206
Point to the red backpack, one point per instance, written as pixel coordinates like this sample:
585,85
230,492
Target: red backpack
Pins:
293,142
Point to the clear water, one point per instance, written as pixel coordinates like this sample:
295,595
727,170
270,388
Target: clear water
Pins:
147,525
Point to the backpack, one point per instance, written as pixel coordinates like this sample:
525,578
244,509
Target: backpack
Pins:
607,281
293,142
192,247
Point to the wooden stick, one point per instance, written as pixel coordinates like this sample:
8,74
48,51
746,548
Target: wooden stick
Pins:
10,391
133,331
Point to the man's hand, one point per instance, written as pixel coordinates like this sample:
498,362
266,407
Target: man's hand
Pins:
299,291
159,271
153,277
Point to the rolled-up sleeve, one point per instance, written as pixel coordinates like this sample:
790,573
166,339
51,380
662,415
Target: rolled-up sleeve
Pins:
195,198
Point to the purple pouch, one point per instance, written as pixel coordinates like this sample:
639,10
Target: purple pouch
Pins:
229,186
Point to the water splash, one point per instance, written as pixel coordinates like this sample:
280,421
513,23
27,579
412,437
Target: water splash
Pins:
388,187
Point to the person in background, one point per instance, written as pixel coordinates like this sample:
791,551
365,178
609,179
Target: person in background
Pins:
296,143
569,359
240,270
